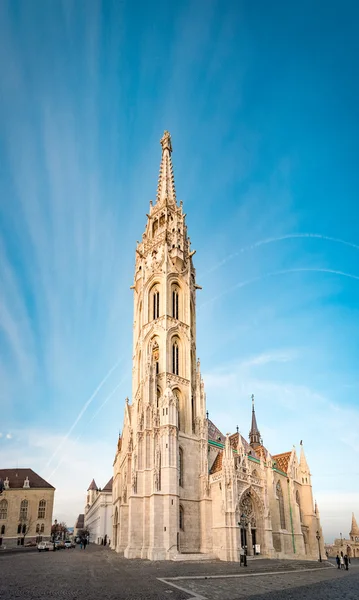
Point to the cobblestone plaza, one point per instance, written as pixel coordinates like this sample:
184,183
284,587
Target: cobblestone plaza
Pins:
97,573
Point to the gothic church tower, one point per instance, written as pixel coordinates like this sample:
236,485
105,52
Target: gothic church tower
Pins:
161,490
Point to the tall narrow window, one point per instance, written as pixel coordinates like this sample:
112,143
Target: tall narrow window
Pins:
19,528
281,505
157,368
42,528
2,529
3,509
175,298
180,467
42,509
38,528
156,303
175,358
23,509
181,518
297,498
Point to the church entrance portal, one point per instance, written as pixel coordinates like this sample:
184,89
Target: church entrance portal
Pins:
251,523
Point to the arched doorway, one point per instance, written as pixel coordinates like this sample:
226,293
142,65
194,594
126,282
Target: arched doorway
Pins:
251,519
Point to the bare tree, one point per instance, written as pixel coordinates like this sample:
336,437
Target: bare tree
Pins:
26,525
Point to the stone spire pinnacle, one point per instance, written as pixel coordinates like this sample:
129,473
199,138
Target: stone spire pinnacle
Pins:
303,461
355,529
166,193
254,435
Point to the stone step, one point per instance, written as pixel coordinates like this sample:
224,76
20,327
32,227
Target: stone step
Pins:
192,557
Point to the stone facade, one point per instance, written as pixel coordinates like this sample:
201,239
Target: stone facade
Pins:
26,505
181,486
98,513
349,546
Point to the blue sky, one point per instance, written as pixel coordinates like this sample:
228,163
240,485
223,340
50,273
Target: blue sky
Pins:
261,100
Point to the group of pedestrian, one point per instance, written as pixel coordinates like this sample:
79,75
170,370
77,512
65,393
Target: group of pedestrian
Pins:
343,561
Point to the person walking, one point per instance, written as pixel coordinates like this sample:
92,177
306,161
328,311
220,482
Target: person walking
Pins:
342,561
85,543
338,561
346,562
81,544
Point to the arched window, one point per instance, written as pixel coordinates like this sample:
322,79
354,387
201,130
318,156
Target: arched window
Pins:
297,499
19,528
3,509
42,528
42,509
180,467
24,529
181,518
155,303
2,529
158,397
175,302
37,528
175,358
281,505
23,509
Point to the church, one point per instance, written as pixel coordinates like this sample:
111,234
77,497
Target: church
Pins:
181,488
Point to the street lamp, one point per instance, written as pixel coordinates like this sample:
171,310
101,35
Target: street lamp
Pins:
318,538
341,539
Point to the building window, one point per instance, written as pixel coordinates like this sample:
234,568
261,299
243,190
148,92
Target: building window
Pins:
2,529
297,498
24,529
42,509
42,528
3,509
175,358
180,467
23,509
155,304
281,505
181,518
19,528
175,298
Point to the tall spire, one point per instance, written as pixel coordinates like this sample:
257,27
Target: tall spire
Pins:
355,529
254,435
166,193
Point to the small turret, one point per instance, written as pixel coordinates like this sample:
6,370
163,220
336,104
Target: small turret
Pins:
354,529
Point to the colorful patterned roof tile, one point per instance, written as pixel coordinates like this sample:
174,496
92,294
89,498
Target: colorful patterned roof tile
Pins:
282,461
217,465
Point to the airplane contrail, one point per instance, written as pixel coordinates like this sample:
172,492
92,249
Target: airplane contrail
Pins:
279,239
272,274
82,411
108,398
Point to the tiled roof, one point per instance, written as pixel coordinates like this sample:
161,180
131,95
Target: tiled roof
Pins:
214,434
17,477
261,451
92,485
282,461
217,465
80,522
108,486
234,442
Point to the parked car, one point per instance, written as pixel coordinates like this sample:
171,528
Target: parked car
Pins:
46,546
59,544
68,544
29,544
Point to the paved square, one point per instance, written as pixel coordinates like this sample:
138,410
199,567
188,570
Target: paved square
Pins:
98,573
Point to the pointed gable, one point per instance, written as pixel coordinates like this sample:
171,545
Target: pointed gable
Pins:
282,461
92,486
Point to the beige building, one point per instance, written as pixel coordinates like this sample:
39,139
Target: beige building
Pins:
98,513
350,545
180,485
26,505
